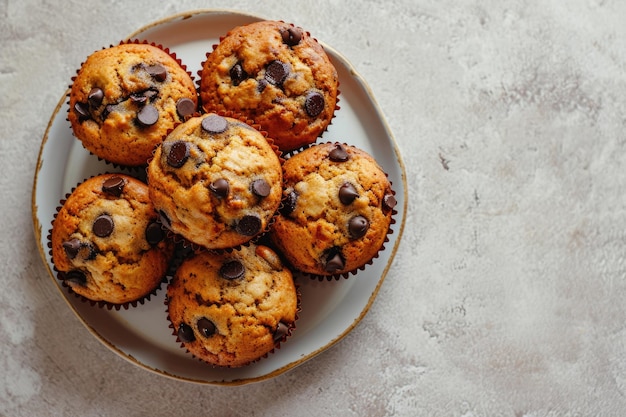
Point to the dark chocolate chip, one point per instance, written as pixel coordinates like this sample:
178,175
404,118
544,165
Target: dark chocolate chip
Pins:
314,103
358,226
289,202
185,107
389,201
334,261
232,270
276,72
214,123
95,96
220,187
206,327
114,186
249,225
261,85
154,233
109,108
178,154
260,188
82,109
103,226
237,74
347,193
148,115
185,333
75,277
72,247
338,153
157,71
292,36
281,331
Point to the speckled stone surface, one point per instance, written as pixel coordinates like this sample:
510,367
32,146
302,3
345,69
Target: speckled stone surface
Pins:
506,297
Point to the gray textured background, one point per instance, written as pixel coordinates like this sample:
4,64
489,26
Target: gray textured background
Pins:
506,297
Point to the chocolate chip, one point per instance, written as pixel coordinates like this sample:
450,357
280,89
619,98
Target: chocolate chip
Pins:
291,36
95,97
338,153
138,98
72,247
148,115
237,74
261,85
314,103
334,261
389,201
157,71
185,107
154,233
347,193
358,226
114,186
185,333
249,225
281,331
75,277
82,109
276,72
103,226
289,202
232,270
220,187
214,123
206,327
178,154
260,188
107,110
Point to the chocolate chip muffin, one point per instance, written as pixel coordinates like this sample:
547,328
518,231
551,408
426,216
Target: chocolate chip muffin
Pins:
216,181
338,206
233,308
275,74
125,98
107,245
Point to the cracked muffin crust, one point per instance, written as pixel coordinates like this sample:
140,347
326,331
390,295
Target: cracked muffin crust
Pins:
106,243
125,98
338,206
232,308
277,75
216,181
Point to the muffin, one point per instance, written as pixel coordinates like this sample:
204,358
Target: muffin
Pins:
125,98
338,207
231,309
216,181
106,243
275,74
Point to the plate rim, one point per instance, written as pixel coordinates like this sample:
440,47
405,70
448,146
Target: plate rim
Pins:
400,222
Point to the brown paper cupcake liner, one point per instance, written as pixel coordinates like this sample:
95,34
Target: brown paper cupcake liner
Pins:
133,169
61,275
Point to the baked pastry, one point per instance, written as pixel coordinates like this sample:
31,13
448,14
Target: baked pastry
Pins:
233,308
338,206
107,245
125,98
216,181
275,74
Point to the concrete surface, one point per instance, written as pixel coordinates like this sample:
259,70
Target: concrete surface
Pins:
507,294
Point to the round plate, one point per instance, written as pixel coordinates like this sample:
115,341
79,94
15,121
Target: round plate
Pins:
330,309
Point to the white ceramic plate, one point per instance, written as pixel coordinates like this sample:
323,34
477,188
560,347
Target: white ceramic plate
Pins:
330,309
